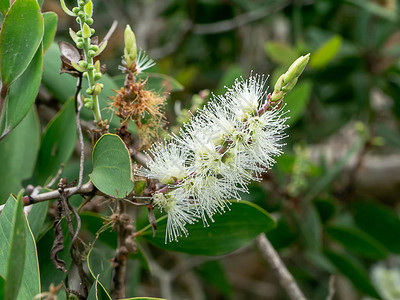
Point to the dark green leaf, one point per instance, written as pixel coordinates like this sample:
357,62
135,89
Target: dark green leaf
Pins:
100,268
2,286
326,52
297,100
310,226
18,153
16,251
326,208
57,144
37,216
357,242
20,37
354,271
97,292
30,285
112,167
380,222
282,236
4,6
231,230
21,95
48,272
50,28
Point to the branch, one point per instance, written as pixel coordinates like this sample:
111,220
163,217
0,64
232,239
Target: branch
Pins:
238,21
286,279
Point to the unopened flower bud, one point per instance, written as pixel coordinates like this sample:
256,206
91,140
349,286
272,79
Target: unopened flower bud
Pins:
97,89
287,88
130,51
296,68
277,96
91,53
279,83
89,21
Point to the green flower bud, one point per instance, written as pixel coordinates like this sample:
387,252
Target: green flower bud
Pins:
287,88
78,20
79,33
89,105
278,84
81,3
81,14
80,45
86,31
89,91
89,21
130,50
75,10
79,40
92,31
97,76
83,63
277,96
296,68
90,67
97,89
91,53
94,48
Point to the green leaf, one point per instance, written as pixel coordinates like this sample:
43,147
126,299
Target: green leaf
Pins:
112,166
58,143
281,53
50,28
20,37
297,100
37,217
100,268
30,285
4,6
161,82
354,271
18,159
48,272
310,226
380,222
2,286
326,209
282,235
231,230
21,95
357,242
97,292
16,251
326,52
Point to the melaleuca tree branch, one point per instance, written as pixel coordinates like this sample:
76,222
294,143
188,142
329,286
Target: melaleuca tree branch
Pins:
285,278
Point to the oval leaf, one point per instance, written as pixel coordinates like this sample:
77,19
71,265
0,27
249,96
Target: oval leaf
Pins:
18,159
326,52
21,95
355,272
58,143
357,242
231,230
112,167
50,28
16,251
30,285
20,37
381,223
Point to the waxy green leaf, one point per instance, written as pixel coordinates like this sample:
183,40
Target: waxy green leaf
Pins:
231,230
18,159
112,167
12,220
4,6
21,95
50,28
57,144
20,37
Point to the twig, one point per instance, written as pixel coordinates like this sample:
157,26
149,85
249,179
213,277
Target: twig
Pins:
332,289
227,25
286,279
55,178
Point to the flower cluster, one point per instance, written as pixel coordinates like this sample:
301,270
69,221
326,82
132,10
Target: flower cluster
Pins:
225,146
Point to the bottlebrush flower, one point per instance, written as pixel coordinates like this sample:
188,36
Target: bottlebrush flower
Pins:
231,141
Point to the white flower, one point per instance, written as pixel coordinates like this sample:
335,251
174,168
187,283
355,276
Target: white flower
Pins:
166,164
143,61
179,213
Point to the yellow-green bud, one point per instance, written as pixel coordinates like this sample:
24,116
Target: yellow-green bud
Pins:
277,96
130,50
278,84
97,89
287,88
296,68
86,31
97,66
